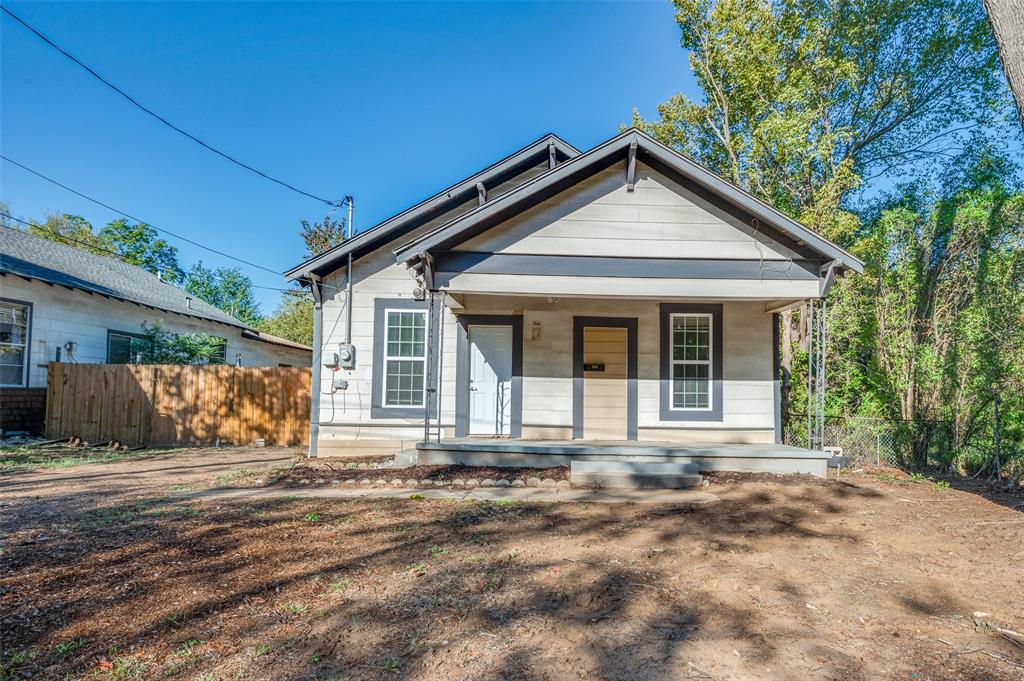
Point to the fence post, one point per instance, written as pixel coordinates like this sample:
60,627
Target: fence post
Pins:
878,449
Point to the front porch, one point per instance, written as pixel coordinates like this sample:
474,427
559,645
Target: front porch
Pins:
707,457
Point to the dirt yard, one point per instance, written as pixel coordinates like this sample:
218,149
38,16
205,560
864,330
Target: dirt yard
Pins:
106,573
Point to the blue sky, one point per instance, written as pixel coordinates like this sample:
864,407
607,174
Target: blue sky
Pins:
387,102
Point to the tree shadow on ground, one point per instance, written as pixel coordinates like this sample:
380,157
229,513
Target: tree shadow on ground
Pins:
405,588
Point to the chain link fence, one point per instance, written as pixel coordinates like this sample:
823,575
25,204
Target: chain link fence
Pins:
864,441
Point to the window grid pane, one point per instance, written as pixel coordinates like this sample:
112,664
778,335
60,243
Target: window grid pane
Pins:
403,383
691,361
405,358
14,324
406,334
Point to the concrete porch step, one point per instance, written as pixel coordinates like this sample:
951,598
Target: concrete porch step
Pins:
634,474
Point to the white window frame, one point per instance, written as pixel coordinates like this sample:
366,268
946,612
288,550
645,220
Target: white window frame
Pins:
25,347
709,362
389,358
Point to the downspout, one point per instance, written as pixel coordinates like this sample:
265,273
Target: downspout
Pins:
348,284
314,381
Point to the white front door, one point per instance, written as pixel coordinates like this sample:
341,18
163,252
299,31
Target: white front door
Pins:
490,380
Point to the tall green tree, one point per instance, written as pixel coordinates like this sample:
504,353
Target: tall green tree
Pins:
226,288
803,101
71,230
139,244
293,318
323,235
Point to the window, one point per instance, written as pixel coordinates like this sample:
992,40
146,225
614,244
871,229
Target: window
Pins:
15,323
691,361
123,346
401,331
405,358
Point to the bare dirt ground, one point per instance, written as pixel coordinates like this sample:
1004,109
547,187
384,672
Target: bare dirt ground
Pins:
106,573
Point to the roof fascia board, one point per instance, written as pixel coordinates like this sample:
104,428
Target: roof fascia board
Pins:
539,148
667,156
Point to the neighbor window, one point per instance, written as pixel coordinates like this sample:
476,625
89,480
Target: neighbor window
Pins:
15,320
691,361
405,358
123,346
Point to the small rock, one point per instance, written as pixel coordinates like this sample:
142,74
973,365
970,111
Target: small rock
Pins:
533,482
303,482
518,483
319,481
547,482
458,482
364,482
412,482
363,466
563,484
426,483
472,482
487,482
396,482
350,481
503,483
440,483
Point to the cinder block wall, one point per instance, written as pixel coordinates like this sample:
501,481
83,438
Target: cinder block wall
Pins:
22,409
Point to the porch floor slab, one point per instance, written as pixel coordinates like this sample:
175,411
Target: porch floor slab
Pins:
761,458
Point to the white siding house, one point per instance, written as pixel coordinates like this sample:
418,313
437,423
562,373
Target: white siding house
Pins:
623,294
60,303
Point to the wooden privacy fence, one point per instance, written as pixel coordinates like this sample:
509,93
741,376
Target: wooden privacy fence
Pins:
161,404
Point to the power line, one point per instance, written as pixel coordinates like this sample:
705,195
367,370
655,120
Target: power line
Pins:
132,217
94,74
114,254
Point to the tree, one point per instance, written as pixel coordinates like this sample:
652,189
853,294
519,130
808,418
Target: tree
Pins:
293,318
138,244
805,100
1007,17
225,288
71,230
323,235
160,346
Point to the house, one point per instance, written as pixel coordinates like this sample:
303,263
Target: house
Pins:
618,302
61,303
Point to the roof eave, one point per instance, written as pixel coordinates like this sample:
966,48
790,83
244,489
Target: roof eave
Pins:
382,229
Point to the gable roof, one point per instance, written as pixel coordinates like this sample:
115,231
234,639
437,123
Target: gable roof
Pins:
33,257
565,175
418,215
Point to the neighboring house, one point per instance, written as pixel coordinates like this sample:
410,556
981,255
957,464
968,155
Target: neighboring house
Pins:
62,303
622,294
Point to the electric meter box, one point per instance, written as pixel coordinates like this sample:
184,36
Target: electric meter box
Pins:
347,356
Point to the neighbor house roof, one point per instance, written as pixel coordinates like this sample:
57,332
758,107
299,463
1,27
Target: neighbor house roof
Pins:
33,257
631,144
428,209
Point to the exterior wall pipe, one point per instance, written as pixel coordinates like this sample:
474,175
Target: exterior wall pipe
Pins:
348,285
316,369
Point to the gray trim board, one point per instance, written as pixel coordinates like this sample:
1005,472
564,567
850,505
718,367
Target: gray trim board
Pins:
776,378
628,323
462,369
26,369
451,263
409,219
666,412
377,408
651,151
